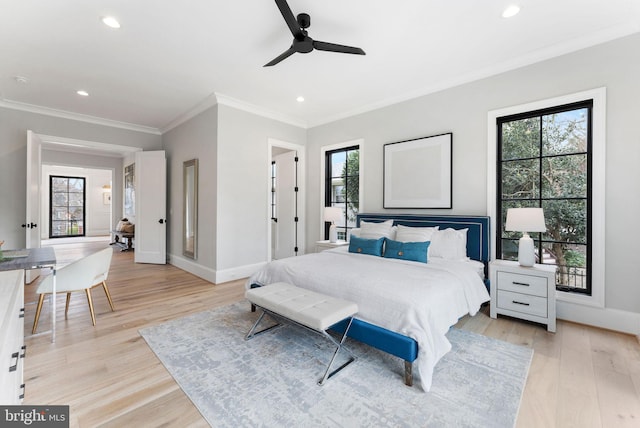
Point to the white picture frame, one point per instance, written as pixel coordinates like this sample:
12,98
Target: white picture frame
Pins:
418,173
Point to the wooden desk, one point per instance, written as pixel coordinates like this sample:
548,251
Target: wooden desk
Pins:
37,258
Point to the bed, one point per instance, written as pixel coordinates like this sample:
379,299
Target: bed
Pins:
407,318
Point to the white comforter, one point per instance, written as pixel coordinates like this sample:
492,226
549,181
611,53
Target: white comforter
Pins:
418,300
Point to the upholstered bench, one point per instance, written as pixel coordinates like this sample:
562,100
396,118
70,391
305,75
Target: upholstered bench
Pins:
314,311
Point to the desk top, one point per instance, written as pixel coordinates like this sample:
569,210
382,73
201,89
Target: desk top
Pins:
37,258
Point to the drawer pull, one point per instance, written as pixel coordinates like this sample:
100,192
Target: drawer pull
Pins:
520,303
14,367
22,387
520,283
21,314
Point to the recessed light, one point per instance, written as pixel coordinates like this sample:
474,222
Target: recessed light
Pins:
300,99
510,11
110,21
83,93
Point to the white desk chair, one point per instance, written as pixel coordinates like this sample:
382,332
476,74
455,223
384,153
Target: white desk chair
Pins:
84,274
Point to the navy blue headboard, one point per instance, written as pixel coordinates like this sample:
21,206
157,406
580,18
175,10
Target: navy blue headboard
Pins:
478,236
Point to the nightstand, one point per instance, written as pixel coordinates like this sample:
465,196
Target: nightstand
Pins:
527,293
326,245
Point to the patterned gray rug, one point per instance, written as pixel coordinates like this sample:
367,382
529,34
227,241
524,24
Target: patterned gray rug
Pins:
270,380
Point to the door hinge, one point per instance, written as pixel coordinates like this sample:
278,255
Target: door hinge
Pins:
295,219
295,189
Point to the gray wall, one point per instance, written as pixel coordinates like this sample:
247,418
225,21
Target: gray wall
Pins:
243,179
232,148
463,111
194,139
13,158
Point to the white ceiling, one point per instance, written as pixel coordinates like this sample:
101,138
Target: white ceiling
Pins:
171,56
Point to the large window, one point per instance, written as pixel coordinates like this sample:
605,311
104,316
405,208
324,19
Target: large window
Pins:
342,187
67,199
545,160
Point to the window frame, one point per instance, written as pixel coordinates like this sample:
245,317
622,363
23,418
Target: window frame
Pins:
325,150
540,199
52,177
598,95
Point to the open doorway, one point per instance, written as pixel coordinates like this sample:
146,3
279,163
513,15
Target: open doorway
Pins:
286,200
76,202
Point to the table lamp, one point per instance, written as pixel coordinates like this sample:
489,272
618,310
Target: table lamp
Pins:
332,214
525,220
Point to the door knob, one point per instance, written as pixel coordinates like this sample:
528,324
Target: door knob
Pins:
24,225
33,225
162,221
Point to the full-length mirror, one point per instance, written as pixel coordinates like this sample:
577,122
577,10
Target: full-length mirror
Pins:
190,209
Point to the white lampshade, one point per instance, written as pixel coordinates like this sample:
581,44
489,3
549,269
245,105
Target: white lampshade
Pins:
332,214
525,220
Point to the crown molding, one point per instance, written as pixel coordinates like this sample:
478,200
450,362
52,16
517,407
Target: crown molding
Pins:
218,98
15,105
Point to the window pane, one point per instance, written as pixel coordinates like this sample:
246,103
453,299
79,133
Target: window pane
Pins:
564,176
337,163
565,132
521,139
60,200
566,220
59,184
520,179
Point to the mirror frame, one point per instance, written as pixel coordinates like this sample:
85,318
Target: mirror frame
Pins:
190,204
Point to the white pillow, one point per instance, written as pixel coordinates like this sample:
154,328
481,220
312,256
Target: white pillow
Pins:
414,234
449,244
354,232
369,230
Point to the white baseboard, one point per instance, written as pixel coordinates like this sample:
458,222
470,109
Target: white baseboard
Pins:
193,267
238,272
212,275
611,319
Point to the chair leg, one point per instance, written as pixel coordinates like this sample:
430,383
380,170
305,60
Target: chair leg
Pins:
106,291
66,307
93,315
37,318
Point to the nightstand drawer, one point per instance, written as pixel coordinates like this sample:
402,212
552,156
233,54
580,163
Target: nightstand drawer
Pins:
519,283
523,303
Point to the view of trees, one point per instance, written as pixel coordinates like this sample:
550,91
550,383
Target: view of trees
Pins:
351,189
545,164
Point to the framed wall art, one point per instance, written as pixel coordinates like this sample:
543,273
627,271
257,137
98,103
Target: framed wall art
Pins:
417,173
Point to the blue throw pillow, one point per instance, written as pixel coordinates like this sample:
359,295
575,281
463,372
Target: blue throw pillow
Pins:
372,247
414,251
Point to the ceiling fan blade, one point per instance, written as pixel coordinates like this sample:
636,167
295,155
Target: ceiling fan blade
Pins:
289,18
284,55
332,47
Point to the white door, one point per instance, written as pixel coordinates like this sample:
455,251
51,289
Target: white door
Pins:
151,207
32,220
286,227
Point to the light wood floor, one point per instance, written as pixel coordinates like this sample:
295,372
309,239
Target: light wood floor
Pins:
579,377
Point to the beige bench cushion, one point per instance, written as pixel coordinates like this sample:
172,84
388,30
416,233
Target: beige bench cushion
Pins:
311,309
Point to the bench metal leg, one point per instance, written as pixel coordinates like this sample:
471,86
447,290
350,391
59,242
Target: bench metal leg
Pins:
251,333
352,358
327,375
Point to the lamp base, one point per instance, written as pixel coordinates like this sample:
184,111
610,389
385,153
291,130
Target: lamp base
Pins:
526,253
333,234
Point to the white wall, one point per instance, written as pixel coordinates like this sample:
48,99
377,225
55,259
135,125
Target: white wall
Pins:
97,213
463,111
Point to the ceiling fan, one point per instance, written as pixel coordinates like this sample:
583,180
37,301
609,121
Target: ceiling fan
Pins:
302,43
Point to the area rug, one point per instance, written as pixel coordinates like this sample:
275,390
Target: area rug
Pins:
271,380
